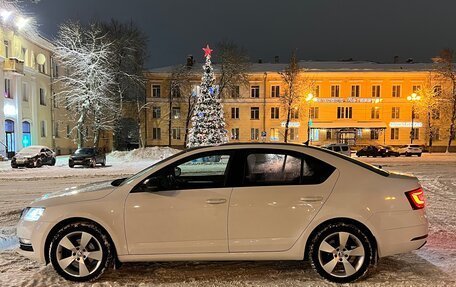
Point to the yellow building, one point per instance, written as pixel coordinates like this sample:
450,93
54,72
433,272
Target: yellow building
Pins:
358,103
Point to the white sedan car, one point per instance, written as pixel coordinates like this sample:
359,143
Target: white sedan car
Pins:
232,202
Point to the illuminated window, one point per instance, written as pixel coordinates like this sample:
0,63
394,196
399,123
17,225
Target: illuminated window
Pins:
375,113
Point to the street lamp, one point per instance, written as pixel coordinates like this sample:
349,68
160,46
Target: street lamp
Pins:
310,98
413,98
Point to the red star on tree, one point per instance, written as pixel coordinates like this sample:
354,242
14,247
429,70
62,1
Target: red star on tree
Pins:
207,51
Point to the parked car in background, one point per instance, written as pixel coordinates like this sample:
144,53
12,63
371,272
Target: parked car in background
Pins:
372,150
411,149
339,147
33,156
391,151
87,156
304,198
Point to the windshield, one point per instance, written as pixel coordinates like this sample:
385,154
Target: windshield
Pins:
147,169
84,151
30,151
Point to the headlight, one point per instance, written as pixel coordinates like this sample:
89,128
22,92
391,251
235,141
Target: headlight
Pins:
33,213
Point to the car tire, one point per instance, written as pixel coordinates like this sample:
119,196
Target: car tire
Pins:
38,162
93,163
52,161
14,165
419,155
331,258
79,263
71,165
103,163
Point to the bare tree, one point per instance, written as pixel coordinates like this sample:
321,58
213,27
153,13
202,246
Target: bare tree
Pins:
129,47
180,87
446,69
233,63
429,105
296,86
86,86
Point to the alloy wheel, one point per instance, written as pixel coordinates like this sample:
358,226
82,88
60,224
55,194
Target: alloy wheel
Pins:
79,254
341,254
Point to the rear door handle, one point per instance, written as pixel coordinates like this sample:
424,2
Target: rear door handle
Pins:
311,198
216,201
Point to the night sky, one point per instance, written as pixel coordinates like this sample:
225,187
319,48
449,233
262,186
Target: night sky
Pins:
319,29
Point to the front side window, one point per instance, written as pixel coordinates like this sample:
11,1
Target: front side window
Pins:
195,172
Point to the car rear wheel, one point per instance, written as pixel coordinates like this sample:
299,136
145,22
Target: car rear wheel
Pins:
419,155
341,253
103,163
80,252
52,161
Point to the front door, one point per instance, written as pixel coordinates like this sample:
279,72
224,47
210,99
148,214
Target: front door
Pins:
10,138
181,209
279,195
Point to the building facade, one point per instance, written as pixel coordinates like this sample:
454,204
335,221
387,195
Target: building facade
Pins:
358,103
25,80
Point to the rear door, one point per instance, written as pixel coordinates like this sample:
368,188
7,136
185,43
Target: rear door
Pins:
278,195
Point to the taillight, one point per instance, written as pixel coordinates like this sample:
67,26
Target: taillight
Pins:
416,198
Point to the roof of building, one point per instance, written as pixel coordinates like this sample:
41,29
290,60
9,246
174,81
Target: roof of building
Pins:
321,66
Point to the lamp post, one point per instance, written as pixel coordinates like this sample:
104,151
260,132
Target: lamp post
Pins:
413,98
309,99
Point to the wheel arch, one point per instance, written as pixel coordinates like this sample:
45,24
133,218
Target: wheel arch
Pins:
346,220
55,228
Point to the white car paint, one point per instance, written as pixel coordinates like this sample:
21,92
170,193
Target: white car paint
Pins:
237,222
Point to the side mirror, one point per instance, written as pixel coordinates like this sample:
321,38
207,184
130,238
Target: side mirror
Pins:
177,171
150,184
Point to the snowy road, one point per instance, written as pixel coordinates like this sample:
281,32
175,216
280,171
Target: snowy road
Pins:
433,265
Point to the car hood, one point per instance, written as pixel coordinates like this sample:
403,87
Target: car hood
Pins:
75,194
24,155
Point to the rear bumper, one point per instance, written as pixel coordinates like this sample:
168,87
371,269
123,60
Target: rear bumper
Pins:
401,231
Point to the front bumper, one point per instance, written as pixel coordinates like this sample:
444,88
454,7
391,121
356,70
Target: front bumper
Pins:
400,231
35,232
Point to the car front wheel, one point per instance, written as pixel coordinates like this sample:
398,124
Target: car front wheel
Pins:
80,252
341,253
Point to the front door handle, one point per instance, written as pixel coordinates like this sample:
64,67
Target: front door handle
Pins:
216,201
311,198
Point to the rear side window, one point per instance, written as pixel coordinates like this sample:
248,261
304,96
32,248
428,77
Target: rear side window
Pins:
283,168
336,148
345,148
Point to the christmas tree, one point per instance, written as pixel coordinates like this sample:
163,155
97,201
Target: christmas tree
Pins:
208,120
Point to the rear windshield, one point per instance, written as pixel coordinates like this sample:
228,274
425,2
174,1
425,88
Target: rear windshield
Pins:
357,162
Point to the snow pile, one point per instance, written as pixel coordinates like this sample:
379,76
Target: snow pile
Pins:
149,153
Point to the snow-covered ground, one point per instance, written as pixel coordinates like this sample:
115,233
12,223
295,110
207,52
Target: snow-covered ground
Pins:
433,265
